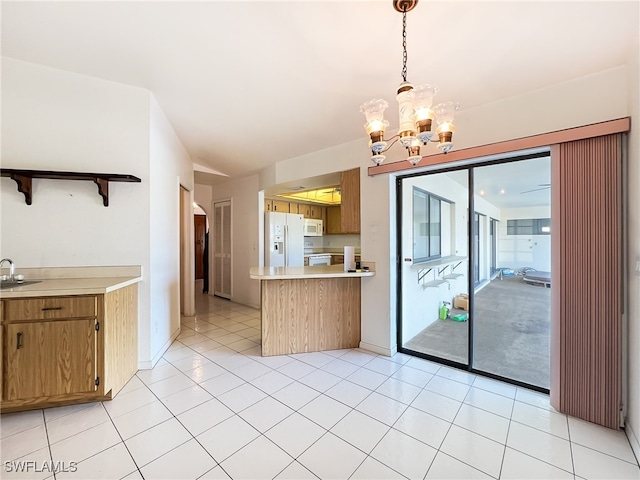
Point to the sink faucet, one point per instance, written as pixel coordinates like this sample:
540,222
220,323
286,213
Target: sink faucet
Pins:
12,267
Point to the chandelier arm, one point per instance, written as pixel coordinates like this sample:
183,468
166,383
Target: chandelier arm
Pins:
397,137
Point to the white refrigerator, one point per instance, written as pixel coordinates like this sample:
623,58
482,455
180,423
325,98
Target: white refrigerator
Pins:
284,239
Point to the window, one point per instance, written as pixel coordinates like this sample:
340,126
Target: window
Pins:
427,225
529,226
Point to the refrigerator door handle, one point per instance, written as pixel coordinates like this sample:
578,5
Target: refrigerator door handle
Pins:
286,246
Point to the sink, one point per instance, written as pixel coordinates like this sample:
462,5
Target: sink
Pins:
14,284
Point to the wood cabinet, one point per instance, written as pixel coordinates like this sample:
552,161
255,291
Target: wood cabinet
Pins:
345,219
308,210
268,205
316,211
280,206
333,221
350,206
339,259
67,349
50,358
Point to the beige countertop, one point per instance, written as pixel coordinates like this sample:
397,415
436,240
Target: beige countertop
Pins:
72,281
318,271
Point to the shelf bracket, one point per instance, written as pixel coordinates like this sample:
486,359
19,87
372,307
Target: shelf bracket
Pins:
24,186
103,189
440,272
457,265
423,273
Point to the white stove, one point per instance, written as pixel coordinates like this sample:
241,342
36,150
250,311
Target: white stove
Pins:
319,259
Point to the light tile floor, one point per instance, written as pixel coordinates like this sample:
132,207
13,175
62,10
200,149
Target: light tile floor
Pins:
213,408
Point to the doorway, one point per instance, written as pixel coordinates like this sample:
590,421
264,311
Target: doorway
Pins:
222,246
472,289
201,247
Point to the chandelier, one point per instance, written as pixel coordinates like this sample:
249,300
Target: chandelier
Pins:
415,106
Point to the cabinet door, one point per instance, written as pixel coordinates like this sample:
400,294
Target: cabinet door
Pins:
293,207
280,206
317,212
49,358
304,209
268,206
350,207
333,220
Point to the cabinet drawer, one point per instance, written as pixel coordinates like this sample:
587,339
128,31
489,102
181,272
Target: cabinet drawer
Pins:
46,308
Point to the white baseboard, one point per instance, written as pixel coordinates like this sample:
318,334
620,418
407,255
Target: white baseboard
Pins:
633,440
148,365
389,352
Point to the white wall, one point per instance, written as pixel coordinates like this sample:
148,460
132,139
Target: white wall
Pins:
57,120
338,242
170,167
633,216
518,251
487,211
244,236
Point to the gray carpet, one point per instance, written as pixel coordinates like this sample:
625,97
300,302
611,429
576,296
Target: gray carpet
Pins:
511,332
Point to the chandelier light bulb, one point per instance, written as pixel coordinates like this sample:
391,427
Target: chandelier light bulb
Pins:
373,111
444,116
414,153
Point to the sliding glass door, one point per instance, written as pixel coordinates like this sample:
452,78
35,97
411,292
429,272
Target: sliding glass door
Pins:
464,296
434,270
512,311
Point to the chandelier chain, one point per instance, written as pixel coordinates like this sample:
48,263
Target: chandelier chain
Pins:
404,43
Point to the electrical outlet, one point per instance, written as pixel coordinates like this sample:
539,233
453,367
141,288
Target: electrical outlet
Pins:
638,266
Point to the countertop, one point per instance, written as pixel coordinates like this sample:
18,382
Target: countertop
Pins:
318,271
73,281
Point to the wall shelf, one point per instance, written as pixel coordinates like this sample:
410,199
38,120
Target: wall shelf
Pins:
440,265
433,283
439,261
23,179
452,276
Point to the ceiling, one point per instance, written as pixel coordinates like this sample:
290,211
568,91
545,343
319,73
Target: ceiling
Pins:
247,84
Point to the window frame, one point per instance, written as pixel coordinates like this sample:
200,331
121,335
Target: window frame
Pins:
431,253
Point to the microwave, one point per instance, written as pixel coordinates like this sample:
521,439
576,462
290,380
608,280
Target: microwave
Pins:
312,227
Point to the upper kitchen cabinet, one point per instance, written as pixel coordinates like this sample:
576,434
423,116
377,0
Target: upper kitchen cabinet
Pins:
333,223
350,206
280,206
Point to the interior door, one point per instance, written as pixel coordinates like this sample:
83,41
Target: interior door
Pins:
199,229
222,249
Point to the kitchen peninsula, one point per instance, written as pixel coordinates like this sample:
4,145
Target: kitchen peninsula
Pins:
309,309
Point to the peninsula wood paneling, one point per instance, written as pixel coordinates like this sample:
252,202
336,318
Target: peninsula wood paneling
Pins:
587,229
310,315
